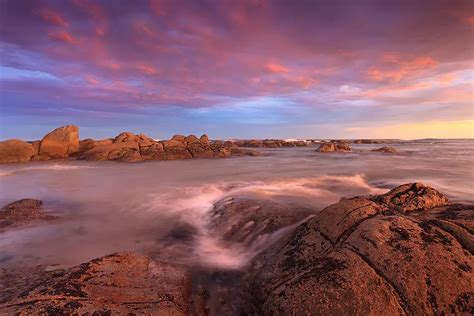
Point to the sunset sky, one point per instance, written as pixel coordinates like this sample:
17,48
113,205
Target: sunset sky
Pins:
238,69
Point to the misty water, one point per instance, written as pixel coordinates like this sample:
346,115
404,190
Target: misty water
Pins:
106,207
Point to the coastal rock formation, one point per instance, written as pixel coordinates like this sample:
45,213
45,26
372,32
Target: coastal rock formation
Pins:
269,143
386,149
245,220
15,150
368,141
22,212
60,143
64,142
131,148
117,284
405,252
334,147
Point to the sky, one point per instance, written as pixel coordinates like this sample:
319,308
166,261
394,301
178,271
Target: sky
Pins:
238,69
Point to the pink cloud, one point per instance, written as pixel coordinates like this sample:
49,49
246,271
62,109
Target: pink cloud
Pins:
52,17
63,36
394,70
276,68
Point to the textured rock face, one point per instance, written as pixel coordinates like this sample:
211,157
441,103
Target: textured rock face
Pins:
22,212
129,147
404,252
245,220
15,150
386,149
334,147
61,142
118,284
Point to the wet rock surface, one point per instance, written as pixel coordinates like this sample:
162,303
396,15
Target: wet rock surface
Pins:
405,252
334,147
247,220
22,212
386,149
117,284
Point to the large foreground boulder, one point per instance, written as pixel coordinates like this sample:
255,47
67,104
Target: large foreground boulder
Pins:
405,252
60,143
22,212
15,150
118,284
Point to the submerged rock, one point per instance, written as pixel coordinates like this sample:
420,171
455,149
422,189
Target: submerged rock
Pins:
386,149
118,284
15,150
246,220
334,147
22,212
405,252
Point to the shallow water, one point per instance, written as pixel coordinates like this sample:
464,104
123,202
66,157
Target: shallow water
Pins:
107,206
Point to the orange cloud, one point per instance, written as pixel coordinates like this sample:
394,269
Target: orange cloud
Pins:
63,36
51,17
276,68
394,70
147,69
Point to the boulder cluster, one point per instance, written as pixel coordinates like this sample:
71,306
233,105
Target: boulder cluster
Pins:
406,252
334,147
64,142
60,143
270,143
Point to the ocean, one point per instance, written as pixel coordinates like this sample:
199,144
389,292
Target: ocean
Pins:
105,207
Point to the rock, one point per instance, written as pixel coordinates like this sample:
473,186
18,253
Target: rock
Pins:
200,150
236,151
370,255
334,147
61,142
191,139
153,152
22,212
386,149
118,284
252,143
246,220
204,139
368,141
15,150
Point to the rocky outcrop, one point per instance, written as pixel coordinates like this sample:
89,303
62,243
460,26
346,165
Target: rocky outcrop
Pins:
118,284
60,143
405,252
15,150
22,212
129,147
269,143
386,149
64,142
368,141
334,147
245,220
